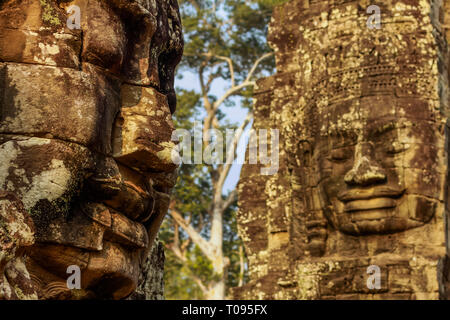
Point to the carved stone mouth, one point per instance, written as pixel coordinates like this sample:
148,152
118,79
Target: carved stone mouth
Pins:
128,205
353,195
123,215
133,202
118,228
370,204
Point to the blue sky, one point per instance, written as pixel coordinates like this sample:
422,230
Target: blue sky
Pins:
234,114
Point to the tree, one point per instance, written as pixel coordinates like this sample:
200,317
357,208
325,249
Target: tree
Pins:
224,41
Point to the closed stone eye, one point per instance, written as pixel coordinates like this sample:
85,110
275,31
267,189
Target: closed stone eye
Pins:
339,155
396,147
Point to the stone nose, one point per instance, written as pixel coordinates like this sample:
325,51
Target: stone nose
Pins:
365,171
142,135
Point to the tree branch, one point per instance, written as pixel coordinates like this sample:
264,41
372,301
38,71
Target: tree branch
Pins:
230,92
177,252
213,76
204,246
231,153
255,65
230,65
184,245
180,256
245,83
199,282
232,197
206,102
195,5
175,245
176,236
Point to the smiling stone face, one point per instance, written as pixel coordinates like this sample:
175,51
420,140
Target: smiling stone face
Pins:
85,117
371,119
379,174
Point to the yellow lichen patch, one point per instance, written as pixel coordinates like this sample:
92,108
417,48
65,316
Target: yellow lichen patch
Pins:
48,13
166,153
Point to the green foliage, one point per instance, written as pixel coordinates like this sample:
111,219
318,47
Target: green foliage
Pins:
188,102
193,193
213,30
236,29
178,285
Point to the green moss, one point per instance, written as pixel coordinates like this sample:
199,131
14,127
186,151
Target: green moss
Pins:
48,14
19,293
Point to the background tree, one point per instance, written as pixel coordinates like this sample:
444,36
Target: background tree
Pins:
225,40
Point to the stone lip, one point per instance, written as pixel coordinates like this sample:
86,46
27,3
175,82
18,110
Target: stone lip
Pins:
374,192
370,204
114,224
374,203
118,228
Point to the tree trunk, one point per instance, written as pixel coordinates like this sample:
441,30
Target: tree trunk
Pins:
216,291
217,288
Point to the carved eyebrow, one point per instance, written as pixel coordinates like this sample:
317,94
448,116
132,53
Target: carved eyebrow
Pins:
341,131
378,130
341,136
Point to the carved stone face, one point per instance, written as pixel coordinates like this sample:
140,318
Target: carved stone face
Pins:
370,112
379,172
85,134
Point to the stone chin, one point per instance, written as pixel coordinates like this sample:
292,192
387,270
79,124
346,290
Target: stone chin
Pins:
111,273
89,211
108,233
382,215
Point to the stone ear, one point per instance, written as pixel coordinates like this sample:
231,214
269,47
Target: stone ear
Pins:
304,153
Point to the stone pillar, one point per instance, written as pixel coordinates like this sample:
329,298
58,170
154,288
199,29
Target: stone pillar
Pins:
357,209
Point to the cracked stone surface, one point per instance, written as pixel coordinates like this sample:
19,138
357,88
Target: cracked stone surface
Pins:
85,128
362,115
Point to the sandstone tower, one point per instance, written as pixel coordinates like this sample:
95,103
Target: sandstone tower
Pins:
361,189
